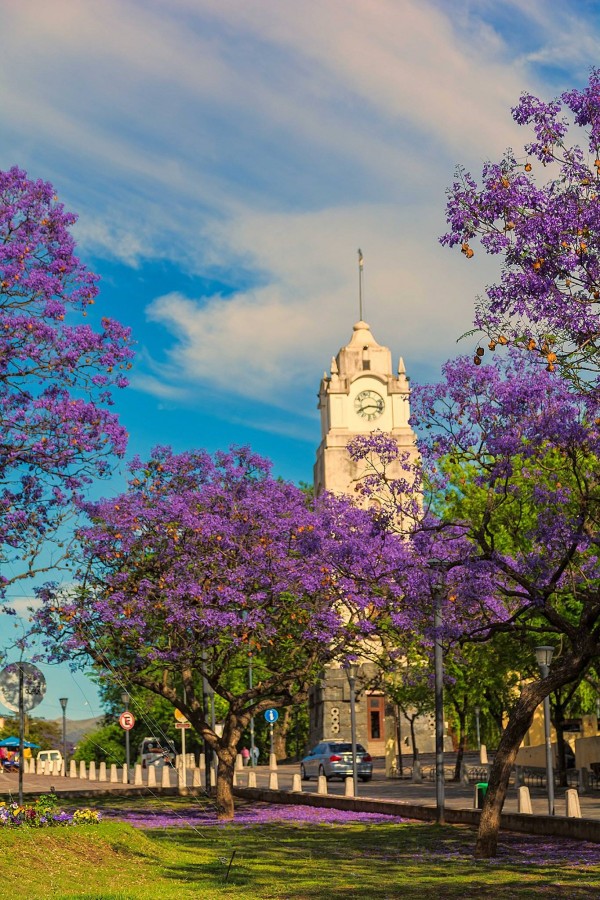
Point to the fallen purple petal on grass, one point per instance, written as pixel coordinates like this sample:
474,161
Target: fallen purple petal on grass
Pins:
251,815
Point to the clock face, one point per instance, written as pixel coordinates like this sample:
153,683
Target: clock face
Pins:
369,405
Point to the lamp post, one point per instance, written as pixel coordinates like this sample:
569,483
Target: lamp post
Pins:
438,655
543,656
125,698
351,671
477,711
63,704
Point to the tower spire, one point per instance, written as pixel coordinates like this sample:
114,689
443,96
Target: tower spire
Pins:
360,285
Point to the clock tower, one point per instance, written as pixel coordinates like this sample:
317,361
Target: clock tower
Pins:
361,394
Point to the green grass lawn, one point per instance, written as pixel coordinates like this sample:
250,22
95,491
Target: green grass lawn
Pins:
116,861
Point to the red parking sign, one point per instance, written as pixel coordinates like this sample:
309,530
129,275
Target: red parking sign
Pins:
126,720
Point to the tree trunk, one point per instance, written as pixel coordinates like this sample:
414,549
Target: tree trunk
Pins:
224,798
280,733
462,740
515,731
415,749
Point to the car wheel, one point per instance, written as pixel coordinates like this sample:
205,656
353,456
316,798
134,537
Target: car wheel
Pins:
303,774
365,777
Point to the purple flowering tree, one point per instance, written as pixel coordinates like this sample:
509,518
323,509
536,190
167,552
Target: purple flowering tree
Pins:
56,374
204,560
508,531
539,212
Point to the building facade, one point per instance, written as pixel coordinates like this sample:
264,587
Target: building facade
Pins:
362,393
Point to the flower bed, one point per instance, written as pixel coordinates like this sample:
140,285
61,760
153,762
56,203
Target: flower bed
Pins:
44,813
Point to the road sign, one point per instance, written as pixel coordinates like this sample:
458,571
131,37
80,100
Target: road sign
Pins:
34,686
271,715
126,720
182,725
180,717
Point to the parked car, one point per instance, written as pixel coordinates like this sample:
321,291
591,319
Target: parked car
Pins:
50,756
156,752
334,759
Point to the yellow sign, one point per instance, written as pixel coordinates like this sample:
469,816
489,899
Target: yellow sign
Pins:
180,716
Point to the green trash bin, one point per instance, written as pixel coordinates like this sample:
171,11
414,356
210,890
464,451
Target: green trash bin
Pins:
480,792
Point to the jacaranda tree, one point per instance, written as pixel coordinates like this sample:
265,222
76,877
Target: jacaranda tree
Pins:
539,212
204,560
56,373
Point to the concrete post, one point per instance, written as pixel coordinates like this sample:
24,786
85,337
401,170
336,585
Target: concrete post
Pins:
166,777
114,778
272,761
151,770
273,781
296,783
213,776
82,770
251,778
196,777
92,772
483,757
524,800
137,774
321,784
348,787
239,762
102,772
417,776
584,780
573,809
125,774
72,769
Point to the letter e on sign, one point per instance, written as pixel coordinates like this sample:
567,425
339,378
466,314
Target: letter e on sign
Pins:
126,721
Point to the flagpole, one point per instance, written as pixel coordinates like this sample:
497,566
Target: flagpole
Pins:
360,285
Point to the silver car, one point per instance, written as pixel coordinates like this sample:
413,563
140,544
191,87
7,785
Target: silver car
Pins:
334,759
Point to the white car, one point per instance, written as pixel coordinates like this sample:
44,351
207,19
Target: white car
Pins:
50,756
156,752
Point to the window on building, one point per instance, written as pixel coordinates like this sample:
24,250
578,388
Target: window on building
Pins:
376,717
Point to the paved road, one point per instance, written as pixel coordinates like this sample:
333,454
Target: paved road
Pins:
456,795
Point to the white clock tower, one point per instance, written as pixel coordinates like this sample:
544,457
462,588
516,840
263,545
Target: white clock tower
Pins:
361,394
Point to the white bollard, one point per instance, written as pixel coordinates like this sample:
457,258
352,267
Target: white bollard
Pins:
82,770
151,776
239,762
213,776
72,769
273,781
573,809
296,783
166,777
137,774
125,774
272,761
114,778
202,763
38,766
321,784
196,778
349,787
92,772
102,772
63,769
234,780
251,778
524,801
483,757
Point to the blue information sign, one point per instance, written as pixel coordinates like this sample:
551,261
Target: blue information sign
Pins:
271,715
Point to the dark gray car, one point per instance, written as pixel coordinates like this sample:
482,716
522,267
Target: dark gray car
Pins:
334,759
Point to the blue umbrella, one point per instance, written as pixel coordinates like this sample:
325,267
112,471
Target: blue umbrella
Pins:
14,742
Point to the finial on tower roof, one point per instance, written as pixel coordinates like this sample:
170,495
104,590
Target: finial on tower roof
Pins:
401,367
360,284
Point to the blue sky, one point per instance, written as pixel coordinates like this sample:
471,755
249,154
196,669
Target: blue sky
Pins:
227,158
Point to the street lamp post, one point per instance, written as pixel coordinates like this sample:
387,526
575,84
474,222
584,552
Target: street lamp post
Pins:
351,671
126,698
63,703
438,655
543,656
477,711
